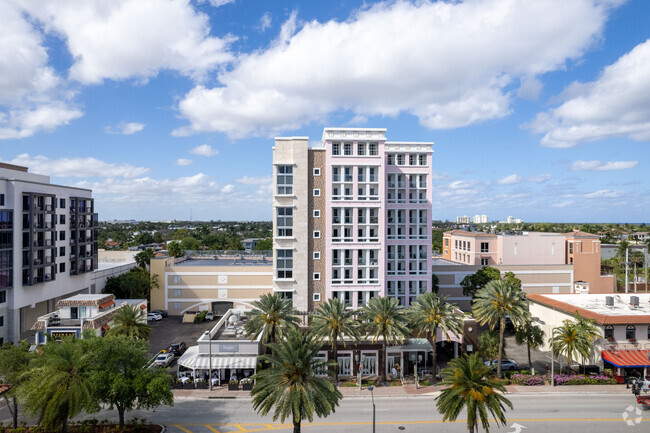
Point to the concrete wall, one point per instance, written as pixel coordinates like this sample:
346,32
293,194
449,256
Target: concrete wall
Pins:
531,248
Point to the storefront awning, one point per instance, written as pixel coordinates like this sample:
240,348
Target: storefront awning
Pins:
194,360
627,358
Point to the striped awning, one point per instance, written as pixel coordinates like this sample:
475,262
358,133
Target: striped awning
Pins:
194,360
627,358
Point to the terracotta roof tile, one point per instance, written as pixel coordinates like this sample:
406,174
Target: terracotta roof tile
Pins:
470,234
579,234
84,303
4,387
602,319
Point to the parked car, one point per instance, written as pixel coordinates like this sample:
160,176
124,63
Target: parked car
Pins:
178,348
164,359
163,313
153,317
209,316
506,364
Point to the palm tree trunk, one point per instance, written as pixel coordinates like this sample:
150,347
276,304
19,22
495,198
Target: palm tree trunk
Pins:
336,367
432,341
530,364
383,360
64,426
501,329
296,427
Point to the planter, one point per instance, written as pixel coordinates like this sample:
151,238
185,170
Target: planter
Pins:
177,385
233,387
247,386
201,385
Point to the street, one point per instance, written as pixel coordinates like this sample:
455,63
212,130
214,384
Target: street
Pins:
579,413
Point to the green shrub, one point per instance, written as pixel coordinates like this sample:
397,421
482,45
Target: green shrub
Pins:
395,383
503,381
425,383
349,384
200,317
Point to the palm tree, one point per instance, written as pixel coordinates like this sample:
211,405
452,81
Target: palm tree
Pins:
532,336
496,301
384,317
471,386
143,258
57,388
271,318
290,386
334,321
430,313
574,337
488,345
130,321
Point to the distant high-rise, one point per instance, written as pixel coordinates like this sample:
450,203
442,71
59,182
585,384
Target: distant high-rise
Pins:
48,247
463,220
352,218
480,219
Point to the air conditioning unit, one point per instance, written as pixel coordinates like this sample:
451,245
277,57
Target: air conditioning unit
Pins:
634,301
609,301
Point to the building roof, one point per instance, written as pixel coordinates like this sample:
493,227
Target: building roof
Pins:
85,300
470,234
592,306
579,234
4,387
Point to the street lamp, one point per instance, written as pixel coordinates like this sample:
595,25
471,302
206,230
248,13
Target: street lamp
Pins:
207,334
371,388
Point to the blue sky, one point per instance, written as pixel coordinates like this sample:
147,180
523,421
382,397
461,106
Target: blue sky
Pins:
539,109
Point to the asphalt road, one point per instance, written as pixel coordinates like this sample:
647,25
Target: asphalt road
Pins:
579,413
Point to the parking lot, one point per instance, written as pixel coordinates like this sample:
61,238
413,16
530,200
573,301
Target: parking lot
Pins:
170,329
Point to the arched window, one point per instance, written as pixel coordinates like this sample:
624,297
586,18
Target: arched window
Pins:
630,332
609,332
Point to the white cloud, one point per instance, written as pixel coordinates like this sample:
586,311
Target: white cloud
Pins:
204,150
529,89
510,180
183,162
228,189
617,104
218,3
123,39
25,123
604,194
540,178
450,64
562,204
77,167
603,166
265,22
462,184
262,180
124,128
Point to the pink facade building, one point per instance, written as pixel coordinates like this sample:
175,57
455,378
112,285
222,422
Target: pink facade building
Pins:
368,206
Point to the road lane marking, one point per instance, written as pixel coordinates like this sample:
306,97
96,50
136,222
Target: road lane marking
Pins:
182,428
212,428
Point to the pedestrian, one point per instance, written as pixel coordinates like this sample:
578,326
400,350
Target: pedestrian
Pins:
393,372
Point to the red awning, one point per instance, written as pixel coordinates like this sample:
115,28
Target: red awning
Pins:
105,327
142,306
627,358
106,304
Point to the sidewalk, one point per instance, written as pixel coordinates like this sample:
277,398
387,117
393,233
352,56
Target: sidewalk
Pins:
410,391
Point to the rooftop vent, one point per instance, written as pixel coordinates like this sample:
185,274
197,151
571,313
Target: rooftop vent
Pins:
609,301
634,301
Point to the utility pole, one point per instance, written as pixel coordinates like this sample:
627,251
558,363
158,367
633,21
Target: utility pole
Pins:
627,264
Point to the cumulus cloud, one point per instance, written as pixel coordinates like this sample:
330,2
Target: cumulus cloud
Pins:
510,180
122,39
251,180
228,189
265,22
77,167
124,128
204,150
450,64
23,123
218,3
183,162
540,178
603,166
617,104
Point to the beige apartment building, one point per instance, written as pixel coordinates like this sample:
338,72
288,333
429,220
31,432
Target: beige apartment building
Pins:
213,282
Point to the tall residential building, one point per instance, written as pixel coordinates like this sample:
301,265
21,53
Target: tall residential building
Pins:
352,218
48,247
480,219
463,220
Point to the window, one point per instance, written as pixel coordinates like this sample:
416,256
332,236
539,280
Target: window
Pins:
347,149
446,242
609,332
316,276
284,180
391,159
61,219
317,192
316,234
62,203
176,279
62,267
336,148
2,320
484,247
62,235
317,172
177,306
316,297
361,149
3,297
2,199
571,248
316,255
284,263
423,159
485,262
284,221
630,332
372,149
648,332
61,251
177,293
316,213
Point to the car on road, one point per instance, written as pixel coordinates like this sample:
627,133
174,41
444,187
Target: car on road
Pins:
506,364
164,359
153,317
163,313
178,348
209,316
